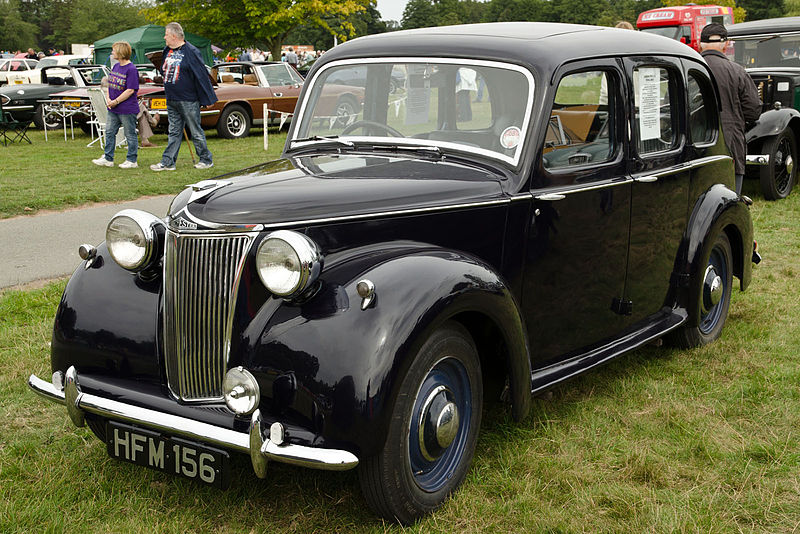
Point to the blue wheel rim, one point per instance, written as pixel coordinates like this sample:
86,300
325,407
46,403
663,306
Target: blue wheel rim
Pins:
710,319
431,476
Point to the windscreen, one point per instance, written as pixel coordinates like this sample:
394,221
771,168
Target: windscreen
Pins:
775,51
480,107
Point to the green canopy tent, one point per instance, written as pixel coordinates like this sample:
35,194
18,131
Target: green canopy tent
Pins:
146,39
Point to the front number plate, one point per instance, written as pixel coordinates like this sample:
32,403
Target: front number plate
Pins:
158,103
170,455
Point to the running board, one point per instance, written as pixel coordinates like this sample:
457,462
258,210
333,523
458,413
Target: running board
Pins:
551,375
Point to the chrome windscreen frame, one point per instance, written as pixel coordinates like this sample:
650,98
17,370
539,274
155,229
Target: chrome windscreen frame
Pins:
513,160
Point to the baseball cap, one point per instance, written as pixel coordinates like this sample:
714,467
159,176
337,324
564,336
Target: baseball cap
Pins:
710,33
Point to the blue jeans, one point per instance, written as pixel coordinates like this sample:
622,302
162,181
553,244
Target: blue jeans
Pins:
113,122
183,113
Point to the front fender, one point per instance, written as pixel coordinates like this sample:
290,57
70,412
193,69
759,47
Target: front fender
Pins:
771,123
347,363
720,209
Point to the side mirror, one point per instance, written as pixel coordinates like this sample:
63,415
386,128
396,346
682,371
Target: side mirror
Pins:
686,40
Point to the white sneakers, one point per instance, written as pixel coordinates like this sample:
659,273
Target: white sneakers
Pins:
103,162
202,165
158,167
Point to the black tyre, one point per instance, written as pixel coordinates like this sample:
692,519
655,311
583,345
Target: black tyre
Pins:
433,430
711,290
778,177
234,122
38,119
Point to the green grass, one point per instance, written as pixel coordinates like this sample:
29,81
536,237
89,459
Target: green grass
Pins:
56,174
661,440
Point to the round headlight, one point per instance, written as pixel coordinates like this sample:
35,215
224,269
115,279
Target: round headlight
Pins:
288,262
241,391
131,238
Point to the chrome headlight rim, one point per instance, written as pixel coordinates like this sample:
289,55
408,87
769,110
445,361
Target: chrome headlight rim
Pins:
147,223
241,391
308,256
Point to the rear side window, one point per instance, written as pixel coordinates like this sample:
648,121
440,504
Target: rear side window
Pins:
579,125
655,109
703,117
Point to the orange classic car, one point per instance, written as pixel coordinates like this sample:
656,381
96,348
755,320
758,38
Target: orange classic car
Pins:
243,88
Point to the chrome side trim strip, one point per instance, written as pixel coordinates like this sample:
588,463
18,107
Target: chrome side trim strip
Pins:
311,457
627,180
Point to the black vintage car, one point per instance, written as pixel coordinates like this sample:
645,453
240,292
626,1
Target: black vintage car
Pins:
358,302
770,51
24,102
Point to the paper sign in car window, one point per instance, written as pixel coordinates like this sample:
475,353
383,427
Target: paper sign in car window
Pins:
418,98
649,103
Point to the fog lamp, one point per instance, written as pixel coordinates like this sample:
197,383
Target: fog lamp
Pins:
241,391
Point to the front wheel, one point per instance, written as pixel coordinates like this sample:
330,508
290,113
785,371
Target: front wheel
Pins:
711,288
234,122
433,430
778,176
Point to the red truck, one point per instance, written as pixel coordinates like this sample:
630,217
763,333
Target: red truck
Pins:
683,23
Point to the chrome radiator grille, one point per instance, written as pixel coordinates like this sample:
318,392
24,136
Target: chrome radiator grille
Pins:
201,276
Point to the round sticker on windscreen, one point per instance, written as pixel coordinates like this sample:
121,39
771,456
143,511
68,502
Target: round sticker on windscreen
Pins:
510,137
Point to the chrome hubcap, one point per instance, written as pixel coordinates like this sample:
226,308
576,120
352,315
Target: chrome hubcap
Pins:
438,423
235,123
712,289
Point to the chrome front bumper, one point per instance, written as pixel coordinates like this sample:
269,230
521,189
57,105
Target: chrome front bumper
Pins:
67,391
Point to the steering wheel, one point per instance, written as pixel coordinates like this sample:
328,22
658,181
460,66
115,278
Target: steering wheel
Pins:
385,127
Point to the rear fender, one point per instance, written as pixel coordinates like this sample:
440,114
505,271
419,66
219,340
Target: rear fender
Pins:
719,209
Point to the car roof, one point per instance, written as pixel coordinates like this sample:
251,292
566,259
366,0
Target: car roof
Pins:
540,45
766,26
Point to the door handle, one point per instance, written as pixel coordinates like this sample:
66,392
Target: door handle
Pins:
278,94
551,196
646,179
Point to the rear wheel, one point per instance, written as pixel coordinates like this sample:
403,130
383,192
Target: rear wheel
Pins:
234,122
711,290
433,430
778,176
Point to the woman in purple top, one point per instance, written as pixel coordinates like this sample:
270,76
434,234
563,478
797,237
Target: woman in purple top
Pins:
123,85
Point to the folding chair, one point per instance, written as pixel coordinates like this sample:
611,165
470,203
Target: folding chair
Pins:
12,130
97,98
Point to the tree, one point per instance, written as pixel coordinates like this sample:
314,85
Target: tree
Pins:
365,22
739,13
15,33
86,21
265,23
419,14
762,9
792,8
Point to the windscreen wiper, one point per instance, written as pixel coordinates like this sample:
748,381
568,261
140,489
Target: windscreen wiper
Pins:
324,138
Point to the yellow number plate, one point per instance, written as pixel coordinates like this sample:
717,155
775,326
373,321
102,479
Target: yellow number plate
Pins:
158,103
71,103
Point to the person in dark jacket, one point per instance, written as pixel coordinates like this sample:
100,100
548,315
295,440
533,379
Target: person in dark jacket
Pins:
738,93
187,86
